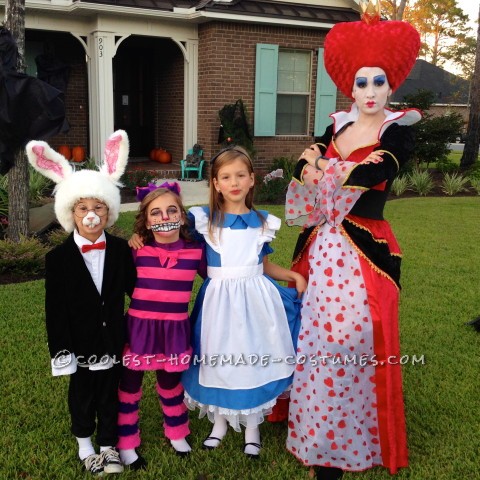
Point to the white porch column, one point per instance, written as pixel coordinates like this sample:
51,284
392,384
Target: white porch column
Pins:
100,81
190,95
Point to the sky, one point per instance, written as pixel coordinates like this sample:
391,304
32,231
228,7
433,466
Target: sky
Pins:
470,7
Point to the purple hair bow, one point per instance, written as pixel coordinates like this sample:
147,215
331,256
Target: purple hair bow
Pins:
142,192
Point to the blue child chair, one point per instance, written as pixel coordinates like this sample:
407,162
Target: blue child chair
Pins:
193,162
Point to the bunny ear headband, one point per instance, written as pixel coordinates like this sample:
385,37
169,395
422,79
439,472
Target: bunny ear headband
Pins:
390,45
71,185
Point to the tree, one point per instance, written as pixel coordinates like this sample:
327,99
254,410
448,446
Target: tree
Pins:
432,132
462,55
440,23
470,151
394,10
18,174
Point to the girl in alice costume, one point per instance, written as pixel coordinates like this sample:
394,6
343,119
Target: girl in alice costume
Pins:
346,408
242,320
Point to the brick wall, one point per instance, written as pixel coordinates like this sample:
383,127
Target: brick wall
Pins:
68,49
227,73
169,99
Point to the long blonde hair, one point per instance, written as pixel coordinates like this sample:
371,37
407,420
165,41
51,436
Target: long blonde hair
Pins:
216,200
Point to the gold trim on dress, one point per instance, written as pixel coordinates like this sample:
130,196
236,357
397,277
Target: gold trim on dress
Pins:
372,265
358,225
393,156
307,243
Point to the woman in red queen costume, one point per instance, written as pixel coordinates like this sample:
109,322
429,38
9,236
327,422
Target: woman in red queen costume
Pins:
346,410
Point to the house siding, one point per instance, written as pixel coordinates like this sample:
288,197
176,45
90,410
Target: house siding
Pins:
226,73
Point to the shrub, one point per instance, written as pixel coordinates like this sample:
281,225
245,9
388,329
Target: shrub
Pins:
421,181
3,202
57,237
474,170
432,132
400,185
24,258
38,185
138,178
287,164
475,184
272,189
445,165
454,183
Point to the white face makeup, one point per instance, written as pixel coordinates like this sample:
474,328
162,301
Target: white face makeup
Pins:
371,90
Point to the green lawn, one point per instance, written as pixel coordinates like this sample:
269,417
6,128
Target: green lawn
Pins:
440,238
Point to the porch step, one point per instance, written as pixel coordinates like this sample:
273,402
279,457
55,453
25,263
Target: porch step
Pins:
41,218
162,170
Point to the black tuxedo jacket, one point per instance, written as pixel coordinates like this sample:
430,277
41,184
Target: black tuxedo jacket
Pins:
79,319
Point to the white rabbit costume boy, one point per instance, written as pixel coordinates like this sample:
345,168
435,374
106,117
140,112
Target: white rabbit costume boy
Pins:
85,295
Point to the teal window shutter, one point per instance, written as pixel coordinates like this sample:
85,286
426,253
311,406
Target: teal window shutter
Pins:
326,97
265,90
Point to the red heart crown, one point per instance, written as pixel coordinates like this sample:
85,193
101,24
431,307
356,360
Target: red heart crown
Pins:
390,45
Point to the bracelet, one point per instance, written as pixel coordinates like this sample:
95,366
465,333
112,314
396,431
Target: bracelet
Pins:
320,157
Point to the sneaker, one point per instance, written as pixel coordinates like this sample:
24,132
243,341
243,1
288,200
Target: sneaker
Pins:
94,464
111,461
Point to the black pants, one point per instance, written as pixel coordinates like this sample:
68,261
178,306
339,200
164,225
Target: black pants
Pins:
93,403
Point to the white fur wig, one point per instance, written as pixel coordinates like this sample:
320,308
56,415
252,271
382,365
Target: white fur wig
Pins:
71,186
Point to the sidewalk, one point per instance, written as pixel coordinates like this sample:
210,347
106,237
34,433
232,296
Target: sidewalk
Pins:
193,193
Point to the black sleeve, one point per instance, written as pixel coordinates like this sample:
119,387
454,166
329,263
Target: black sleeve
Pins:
130,271
397,143
56,311
323,142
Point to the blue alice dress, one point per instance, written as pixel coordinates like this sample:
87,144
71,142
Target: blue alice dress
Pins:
244,324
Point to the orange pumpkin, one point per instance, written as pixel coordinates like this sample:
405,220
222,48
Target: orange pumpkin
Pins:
163,156
66,151
78,154
153,152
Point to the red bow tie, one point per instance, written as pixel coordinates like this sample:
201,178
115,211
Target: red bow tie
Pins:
93,246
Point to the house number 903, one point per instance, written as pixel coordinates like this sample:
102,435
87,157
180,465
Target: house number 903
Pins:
100,47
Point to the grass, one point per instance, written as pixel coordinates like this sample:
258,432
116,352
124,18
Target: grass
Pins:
439,237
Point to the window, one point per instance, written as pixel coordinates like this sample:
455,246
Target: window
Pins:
293,92
283,89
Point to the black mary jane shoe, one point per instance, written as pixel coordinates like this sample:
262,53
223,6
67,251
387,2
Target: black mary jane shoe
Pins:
253,456
139,464
211,447
182,454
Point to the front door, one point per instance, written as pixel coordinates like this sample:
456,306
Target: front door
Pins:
133,75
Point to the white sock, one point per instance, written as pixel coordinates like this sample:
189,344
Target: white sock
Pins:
219,430
128,456
85,447
252,435
181,445
102,449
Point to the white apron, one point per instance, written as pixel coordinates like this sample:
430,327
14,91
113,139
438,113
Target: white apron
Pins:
245,339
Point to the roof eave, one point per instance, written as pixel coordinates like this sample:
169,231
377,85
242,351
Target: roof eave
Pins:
181,14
